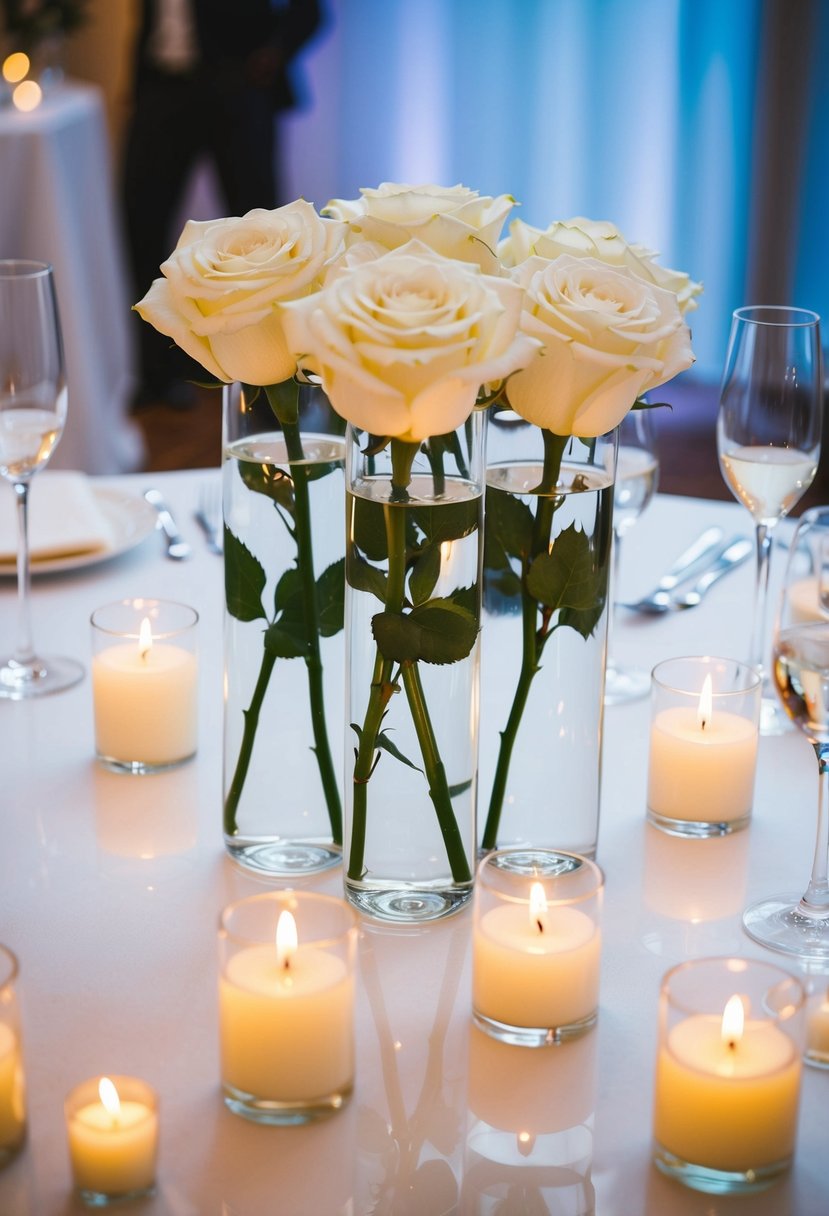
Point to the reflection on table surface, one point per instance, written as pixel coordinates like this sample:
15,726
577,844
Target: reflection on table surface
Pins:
110,890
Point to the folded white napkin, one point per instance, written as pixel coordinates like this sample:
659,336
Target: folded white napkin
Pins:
65,518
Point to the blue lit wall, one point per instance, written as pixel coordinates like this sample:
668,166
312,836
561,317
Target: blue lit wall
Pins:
639,111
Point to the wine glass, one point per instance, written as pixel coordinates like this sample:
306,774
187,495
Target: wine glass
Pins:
33,401
800,670
637,474
768,437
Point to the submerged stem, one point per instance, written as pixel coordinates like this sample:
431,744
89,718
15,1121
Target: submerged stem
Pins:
532,639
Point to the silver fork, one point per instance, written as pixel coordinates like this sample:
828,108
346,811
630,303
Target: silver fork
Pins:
729,559
702,549
209,516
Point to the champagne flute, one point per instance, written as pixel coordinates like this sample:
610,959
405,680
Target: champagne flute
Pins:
768,437
790,924
637,474
33,401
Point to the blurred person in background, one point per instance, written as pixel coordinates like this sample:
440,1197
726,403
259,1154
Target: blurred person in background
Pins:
210,77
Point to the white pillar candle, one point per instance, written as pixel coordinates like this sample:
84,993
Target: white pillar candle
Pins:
286,1020
112,1140
145,697
536,966
726,1098
12,1092
702,763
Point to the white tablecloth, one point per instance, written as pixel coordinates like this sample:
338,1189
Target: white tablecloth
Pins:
110,889
56,205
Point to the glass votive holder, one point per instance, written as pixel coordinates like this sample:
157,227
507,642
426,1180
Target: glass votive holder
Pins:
144,684
705,715
286,1005
817,1022
112,1130
536,945
12,1079
728,1071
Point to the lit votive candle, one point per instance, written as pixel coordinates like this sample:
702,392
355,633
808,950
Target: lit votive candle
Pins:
144,684
536,945
12,1084
727,1074
112,1128
703,745
286,1005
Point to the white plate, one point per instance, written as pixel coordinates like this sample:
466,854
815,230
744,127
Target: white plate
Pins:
131,519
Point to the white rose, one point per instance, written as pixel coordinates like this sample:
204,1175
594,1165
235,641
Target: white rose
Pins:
452,220
223,284
595,239
403,343
608,336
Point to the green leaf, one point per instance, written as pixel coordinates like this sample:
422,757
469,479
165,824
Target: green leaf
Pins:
364,577
385,744
460,788
425,574
270,480
508,523
284,641
584,621
449,521
367,528
438,631
320,469
244,581
288,588
331,599
564,578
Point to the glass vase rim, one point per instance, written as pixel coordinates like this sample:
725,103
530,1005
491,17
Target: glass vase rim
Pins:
708,662
24,268
132,602
753,314
737,965
347,932
8,955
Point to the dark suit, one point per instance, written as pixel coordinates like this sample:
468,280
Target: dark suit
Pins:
222,107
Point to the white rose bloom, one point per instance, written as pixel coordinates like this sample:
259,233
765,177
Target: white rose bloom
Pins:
225,280
403,343
599,239
608,336
452,220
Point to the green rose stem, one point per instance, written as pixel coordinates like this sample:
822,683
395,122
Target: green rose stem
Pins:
533,638
382,689
284,401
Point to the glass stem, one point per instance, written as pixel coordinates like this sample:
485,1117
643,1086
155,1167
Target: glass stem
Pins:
816,899
24,652
757,653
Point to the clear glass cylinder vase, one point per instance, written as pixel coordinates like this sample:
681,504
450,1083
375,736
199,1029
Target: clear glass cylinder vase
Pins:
283,462
414,516
549,521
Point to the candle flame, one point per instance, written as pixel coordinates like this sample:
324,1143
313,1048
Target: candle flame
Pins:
16,67
27,95
538,906
145,638
733,1019
706,703
286,939
109,1098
